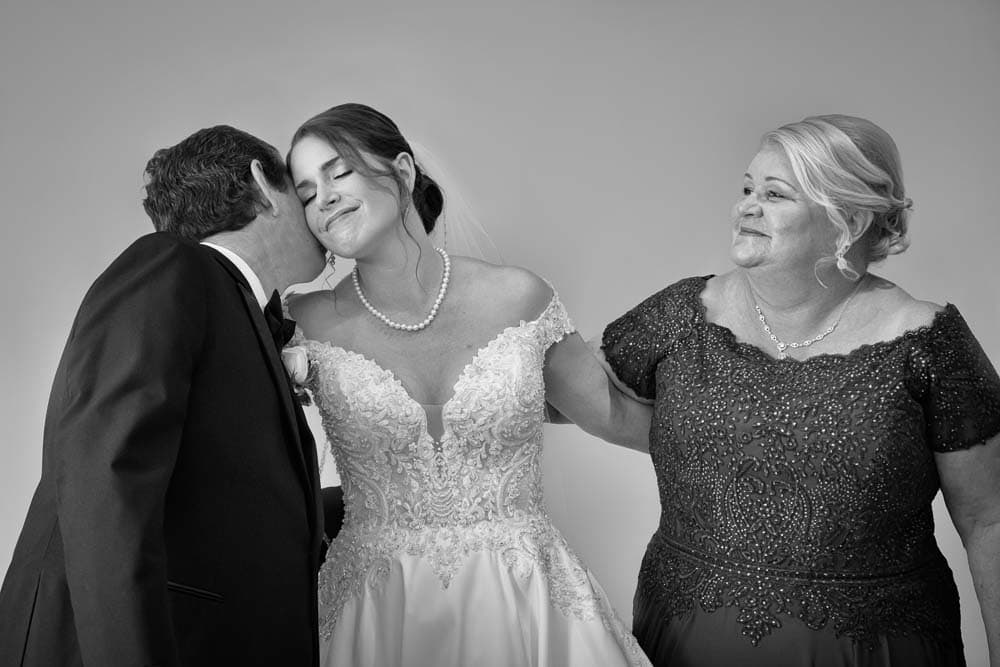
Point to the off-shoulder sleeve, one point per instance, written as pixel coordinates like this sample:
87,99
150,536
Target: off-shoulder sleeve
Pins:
554,323
634,343
962,397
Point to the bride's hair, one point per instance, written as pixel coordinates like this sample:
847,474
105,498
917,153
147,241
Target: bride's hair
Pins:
355,128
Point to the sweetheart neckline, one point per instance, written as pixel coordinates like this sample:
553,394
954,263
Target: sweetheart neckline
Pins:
394,379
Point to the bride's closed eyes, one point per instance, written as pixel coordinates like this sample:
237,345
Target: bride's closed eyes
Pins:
326,170
306,195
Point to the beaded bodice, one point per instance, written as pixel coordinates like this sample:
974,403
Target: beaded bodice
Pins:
475,489
486,463
802,488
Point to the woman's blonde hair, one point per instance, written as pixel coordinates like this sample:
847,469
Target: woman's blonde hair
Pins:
851,167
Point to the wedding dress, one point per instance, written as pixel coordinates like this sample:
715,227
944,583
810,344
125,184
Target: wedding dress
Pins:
446,556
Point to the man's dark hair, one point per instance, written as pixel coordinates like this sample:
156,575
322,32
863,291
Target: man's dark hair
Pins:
203,185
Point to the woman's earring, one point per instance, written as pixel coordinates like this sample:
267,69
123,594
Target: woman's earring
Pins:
331,260
841,261
844,266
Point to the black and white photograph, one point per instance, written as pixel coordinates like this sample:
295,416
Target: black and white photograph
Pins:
480,334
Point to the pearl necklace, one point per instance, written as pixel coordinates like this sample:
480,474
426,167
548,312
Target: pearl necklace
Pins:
782,345
445,275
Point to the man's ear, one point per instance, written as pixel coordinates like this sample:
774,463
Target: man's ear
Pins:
267,191
407,169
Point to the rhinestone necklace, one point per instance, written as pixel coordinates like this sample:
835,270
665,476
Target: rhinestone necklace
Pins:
782,345
445,275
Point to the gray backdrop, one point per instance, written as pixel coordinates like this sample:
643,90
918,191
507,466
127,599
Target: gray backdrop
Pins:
602,144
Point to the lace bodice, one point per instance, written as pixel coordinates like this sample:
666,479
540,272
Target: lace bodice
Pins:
486,463
476,488
463,510
802,488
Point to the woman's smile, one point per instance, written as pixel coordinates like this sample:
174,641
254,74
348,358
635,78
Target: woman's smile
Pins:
339,215
749,231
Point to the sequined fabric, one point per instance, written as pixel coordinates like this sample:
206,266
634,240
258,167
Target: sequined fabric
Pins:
802,489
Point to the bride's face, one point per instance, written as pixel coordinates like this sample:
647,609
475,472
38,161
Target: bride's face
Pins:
351,214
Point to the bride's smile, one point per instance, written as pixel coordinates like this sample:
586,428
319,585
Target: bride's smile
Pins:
432,372
351,204
337,215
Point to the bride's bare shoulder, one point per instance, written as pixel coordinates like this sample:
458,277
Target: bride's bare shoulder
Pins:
318,310
513,290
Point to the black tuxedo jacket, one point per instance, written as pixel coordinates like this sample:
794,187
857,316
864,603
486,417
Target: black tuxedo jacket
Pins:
178,520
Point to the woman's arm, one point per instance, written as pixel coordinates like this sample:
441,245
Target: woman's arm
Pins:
970,482
578,387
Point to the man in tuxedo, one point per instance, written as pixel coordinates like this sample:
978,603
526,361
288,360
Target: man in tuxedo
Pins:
178,520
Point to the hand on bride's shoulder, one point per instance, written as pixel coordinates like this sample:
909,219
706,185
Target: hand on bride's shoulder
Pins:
512,290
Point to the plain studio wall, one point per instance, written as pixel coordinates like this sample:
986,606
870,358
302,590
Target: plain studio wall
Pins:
602,146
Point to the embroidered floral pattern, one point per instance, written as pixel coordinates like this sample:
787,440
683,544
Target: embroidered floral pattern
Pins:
477,488
359,559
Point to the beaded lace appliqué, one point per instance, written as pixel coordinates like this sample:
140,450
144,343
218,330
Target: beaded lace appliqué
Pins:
477,488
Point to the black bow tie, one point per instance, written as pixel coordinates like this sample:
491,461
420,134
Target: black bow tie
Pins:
282,329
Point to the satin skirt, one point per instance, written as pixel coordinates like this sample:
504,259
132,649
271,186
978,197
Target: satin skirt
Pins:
494,610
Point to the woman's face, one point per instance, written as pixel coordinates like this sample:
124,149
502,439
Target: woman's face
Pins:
774,222
348,212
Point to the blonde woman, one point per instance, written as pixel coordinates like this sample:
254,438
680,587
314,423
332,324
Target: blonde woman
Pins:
806,413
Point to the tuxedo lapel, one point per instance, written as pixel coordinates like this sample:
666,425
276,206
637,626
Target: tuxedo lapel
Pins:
303,447
273,360
308,449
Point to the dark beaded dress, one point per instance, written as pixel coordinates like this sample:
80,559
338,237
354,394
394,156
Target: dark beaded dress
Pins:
796,524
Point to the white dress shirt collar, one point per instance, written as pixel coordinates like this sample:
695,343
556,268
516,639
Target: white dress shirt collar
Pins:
244,268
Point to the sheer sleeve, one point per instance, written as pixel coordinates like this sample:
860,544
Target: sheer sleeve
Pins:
961,399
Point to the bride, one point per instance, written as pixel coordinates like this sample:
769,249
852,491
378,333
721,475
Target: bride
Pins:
432,373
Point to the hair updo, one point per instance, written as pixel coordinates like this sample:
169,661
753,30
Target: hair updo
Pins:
850,166
352,128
